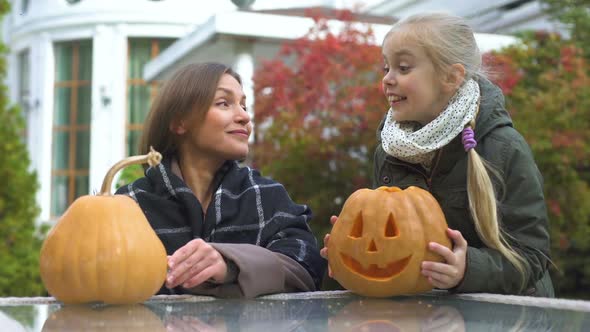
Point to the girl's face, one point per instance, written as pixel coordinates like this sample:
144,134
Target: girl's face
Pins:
224,132
411,84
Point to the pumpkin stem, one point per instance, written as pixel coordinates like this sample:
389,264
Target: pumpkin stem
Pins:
153,158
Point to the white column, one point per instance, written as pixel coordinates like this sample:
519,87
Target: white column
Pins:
107,141
12,77
41,118
244,65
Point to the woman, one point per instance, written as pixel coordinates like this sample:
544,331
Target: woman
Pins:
228,231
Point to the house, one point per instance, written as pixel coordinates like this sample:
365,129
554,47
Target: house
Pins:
490,16
85,71
75,66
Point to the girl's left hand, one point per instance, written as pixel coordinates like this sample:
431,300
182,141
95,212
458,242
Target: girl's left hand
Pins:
450,273
194,263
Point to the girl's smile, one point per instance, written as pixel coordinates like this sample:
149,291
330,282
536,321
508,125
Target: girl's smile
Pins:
412,86
395,99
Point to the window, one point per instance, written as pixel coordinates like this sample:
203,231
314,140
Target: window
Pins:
24,86
71,124
140,94
24,6
513,5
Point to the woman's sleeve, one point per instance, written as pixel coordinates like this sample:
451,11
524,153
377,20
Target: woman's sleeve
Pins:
523,217
285,257
255,271
287,232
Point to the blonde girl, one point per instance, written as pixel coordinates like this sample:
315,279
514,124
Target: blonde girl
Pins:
447,131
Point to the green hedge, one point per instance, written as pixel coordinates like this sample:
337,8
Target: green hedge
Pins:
546,81
19,243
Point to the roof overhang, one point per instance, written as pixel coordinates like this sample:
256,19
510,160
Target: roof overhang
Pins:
255,25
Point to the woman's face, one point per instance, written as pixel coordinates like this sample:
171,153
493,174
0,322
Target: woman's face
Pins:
411,84
224,132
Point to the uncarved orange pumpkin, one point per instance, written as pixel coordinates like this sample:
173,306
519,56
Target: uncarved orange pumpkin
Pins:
380,240
102,249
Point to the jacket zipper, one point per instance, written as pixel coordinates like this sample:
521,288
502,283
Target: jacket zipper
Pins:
427,178
434,167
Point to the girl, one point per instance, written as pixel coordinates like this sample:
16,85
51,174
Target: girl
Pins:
447,131
228,231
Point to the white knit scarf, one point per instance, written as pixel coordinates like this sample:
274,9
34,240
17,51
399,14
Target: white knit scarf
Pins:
408,142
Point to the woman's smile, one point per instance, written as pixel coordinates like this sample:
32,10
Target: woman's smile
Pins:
242,133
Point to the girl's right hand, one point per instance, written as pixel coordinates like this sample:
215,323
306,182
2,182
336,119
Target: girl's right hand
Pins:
324,250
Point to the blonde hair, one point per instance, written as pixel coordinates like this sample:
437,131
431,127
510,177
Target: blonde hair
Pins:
448,40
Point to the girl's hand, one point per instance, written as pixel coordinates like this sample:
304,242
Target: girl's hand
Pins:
324,250
449,274
194,263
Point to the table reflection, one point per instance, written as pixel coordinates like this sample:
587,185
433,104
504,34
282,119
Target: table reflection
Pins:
10,324
244,315
371,315
127,318
191,323
356,314
310,313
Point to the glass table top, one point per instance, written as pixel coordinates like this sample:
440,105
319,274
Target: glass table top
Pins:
318,311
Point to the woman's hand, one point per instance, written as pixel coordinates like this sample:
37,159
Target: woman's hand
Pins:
324,250
449,274
195,263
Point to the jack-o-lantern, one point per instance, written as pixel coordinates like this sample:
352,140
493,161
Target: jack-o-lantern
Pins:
381,238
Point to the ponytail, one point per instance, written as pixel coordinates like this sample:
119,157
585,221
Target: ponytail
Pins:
483,207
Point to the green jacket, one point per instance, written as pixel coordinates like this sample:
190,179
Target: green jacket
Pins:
521,207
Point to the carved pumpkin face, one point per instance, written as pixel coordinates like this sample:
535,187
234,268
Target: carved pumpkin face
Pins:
381,238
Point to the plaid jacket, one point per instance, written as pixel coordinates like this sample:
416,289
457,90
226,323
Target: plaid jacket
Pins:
246,208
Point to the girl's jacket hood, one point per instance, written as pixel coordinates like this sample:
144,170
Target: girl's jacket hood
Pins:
492,113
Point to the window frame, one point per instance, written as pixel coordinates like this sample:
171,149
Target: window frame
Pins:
72,128
155,50
24,87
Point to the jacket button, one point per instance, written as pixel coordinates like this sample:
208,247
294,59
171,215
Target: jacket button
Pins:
385,179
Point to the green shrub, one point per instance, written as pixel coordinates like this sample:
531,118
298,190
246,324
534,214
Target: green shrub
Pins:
318,105
547,86
19,237
129,174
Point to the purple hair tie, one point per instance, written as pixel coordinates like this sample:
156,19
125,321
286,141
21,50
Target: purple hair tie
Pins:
468,139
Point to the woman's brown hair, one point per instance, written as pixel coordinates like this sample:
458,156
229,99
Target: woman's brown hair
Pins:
190,91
